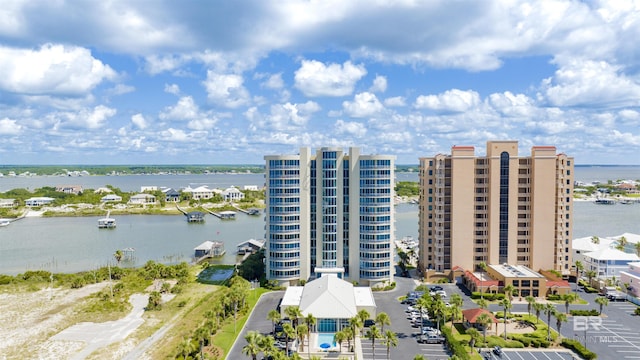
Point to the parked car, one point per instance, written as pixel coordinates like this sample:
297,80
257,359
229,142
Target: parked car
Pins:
369,322
430,339
497,350
442,293
436,288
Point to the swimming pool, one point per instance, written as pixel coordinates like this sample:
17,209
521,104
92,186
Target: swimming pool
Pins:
325,338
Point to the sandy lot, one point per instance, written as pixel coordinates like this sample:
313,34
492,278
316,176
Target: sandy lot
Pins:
33,326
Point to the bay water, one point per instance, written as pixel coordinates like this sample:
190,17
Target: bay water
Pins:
72,244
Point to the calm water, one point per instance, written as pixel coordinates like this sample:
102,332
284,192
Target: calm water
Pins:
76,244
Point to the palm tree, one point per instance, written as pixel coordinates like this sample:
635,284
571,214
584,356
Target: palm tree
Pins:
602,301
274,316
186,347
253,347
579,270
363,315
293,313
549,310
595,239
482,303
483,320
419,357
568,299
530,301
390,339
538,308
348,332
590,275
508,291
637,247
475,334
622,243
355,323
310,321
268,345
560,318
289,333
456,304
201,335
506,304
372,334
340,337
482,265
302,331
383,319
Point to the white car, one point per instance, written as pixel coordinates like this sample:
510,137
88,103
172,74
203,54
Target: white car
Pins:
442,293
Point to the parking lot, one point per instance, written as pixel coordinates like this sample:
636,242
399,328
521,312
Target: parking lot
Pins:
530,355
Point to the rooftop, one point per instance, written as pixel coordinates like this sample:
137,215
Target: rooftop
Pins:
517,271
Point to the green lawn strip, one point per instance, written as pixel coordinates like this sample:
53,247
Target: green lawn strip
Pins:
226,336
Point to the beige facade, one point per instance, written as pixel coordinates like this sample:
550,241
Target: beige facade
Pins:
496,209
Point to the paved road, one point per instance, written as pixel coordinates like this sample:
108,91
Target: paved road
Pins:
257,321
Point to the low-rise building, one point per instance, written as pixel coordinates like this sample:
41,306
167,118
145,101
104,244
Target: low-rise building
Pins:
38,201
144,199
631,277
608,262
524,281
70,189
111,198
232,194
331,300
201,192
8,203
171,195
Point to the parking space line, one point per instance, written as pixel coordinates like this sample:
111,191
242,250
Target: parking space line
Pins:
545,354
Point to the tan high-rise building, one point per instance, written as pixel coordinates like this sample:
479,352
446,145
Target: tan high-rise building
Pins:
497,209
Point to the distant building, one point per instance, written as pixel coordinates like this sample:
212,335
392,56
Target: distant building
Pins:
250,187
498,208
631,276
148,188
70,189
8,203
232,194
143,199
38,201
201,192
111,198
171,195
608,262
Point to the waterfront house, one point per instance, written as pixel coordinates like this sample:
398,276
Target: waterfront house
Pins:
69,189
142,199
631,277
111,198
171,195
232,194
201,192
148,188
250,246
608,262
38,201
209,248
8,203
102,190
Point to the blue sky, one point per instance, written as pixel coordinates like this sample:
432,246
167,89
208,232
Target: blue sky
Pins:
199,82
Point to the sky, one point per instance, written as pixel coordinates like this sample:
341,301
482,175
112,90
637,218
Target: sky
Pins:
228,82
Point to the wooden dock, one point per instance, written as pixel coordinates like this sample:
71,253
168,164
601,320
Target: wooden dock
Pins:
224,215
252,212
193,216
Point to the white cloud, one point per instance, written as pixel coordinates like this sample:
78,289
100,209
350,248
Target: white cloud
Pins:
512,105
450,101
226,89
185,109
139,121
286,116
590,83
172,89
120,89
396,101
364,105
274,82
379,84
314,78
9,127
353,128
172,134
51,70
83,119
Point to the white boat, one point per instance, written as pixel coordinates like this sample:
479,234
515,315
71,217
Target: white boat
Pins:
4,222
107,222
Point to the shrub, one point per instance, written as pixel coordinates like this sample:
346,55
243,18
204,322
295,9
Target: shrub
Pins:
554,297
590,312
575,345
454,345
589,289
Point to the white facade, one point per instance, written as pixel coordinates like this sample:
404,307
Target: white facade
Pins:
631,276
111,198
142,199
7,203
608,262
331,212
201,192
232,194
38,201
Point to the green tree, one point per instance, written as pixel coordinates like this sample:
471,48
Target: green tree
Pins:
186,347
602,301
356,324
339,337
289,333
560,318
310,321
590,275
302,331
508,291
201,335
155,301
372,334
419,357
637,247
268,345
389,339
568,299
275,317
549,310
538,308
383,319
482,303
484,320
506,305
348,332
530,301
456,302
475,335
595,239
293,313
118,256
483,266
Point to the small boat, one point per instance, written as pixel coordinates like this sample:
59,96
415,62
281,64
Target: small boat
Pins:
107,222
605,202
4,222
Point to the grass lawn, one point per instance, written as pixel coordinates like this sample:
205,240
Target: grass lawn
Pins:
227,334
